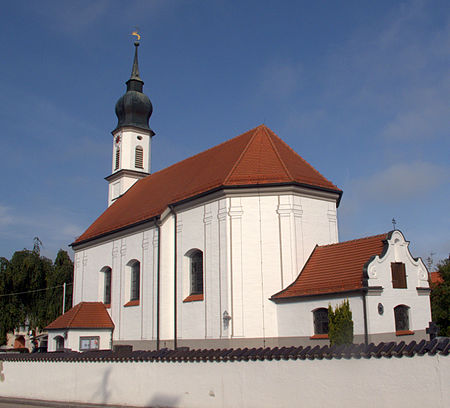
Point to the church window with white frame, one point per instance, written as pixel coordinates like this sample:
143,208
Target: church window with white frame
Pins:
401,315
196,272
135,280
320,321
107,285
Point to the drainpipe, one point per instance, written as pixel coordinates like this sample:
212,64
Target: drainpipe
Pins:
158,224
366,334
175,345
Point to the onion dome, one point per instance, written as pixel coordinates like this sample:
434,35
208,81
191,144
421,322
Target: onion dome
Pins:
134,108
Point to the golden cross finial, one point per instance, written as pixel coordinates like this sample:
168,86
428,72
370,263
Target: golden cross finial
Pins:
136,34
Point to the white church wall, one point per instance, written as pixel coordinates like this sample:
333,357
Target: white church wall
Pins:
191,322
167,281
268,248
406,382
295,319
132,322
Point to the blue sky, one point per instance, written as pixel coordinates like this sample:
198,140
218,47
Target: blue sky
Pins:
360,89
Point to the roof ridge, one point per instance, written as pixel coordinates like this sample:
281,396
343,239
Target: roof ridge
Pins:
354,240
277,152
75,313
301,157
236,163
200,153
298,276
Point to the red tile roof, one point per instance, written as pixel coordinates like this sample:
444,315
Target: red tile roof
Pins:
334,268
436,278
83,316
257,157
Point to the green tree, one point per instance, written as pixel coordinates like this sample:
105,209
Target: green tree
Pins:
31,289
440,298
340,324
62,272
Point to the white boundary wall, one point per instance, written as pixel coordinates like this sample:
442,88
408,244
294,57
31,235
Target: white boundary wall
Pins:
420,381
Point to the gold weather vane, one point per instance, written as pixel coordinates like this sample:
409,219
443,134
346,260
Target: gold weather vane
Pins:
136,34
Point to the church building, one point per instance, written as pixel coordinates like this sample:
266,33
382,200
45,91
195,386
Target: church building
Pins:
236,246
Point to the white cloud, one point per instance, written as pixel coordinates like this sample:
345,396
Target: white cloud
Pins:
72,17
5,216
401,181
425,117
53,226
281,79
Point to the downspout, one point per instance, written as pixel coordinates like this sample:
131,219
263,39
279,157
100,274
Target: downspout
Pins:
175,345
365,286
366,334
158,224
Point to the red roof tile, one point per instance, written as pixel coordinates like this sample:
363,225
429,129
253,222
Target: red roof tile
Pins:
334,268
83,316
257,157
436,278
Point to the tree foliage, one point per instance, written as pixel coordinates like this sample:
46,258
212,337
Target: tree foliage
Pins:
440,298
31,289
340,324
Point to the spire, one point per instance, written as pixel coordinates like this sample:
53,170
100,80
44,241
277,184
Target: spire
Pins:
135,69
135,83
134,108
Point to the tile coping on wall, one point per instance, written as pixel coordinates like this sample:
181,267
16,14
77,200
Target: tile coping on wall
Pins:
392,349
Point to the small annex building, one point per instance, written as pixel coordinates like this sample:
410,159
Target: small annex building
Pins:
236,246
86,326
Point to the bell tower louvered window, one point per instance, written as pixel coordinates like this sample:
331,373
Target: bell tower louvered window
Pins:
139,157
117,159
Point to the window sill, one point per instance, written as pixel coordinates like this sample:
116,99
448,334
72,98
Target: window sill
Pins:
194,298
131,303
107,305
403,332
319,337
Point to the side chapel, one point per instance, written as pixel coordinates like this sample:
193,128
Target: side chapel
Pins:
236,246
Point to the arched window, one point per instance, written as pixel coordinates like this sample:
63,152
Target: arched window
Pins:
196,272
19,342
117,159
59,343
320,321
107,285
139,157
135,280
401,314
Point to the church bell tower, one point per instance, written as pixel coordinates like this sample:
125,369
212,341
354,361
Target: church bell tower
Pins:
132,136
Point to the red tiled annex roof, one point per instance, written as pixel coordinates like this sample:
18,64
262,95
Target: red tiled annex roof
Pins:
436,278
83,316
257,157
334,268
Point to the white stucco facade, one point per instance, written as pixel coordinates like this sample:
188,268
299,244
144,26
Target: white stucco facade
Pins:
253,243
72,339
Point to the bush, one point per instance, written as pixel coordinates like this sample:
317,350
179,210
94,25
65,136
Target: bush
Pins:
440,299
340,326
